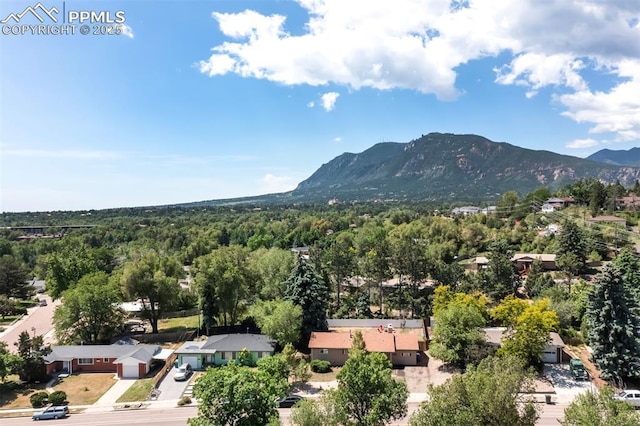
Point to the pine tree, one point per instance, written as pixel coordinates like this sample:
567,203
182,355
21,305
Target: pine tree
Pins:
307,289
572,240
614,327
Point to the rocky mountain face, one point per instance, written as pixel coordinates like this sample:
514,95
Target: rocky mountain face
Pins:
441,166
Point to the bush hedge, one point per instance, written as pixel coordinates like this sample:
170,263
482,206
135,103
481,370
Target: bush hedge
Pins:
58,398
39,399
319,366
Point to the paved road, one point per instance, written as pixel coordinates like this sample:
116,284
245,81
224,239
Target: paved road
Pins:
39,319
179,416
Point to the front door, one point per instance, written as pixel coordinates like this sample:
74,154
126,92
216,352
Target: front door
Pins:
66,365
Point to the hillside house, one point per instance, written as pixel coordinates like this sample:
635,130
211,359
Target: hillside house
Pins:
524,261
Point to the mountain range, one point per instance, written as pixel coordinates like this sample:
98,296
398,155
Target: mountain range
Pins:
444,167
630,157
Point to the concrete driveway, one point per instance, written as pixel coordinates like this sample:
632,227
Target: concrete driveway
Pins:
170,389
565,386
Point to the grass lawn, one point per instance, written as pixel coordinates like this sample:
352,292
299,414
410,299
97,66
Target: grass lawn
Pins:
177,324
9,319
16,395
138,392
86,388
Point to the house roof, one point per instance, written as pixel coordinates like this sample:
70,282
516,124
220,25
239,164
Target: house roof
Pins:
613,219
374,342
480,260
69,352
406,342
495,334
545,257
229,343
374,323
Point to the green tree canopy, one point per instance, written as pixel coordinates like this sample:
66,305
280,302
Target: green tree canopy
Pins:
90,312
234,395
13,277
599,409
306,289
153,279
487,395
279,319
614,326
367,394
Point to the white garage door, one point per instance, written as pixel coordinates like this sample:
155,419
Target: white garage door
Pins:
191,360
129,371
549,356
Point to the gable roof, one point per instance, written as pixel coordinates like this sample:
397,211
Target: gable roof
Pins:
406,342
545,257
229,343
69,352
495,334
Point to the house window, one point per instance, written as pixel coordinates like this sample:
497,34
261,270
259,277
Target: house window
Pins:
324,351
222,355
105,359
407,354
85,361
345,351
265,354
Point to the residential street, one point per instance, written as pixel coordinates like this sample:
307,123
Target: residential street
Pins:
39,320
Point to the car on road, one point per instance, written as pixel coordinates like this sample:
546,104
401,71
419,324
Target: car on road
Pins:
183,372
53,412
632,396
289,401
577,370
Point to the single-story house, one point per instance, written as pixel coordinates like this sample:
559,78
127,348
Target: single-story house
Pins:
219,349
477,263
333,346
127,361
524,261
551,354
413,326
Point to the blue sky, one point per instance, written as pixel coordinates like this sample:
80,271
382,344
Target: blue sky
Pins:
201,100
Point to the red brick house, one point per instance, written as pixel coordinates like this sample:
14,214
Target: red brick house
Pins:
127,361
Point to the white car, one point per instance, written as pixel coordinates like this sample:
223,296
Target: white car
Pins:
632,396
183,372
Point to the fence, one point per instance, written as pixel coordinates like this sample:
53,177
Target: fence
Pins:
164,370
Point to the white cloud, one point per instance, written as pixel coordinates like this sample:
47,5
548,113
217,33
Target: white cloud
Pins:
271,183
311,104
419,44
582,143
329,100
337,139
126,30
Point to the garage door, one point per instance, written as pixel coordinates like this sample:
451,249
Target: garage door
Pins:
549,356
129,371
191,360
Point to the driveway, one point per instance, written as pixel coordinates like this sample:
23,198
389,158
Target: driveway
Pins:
170,389
39,320
565,386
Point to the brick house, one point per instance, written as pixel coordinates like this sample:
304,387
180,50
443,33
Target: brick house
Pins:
127,361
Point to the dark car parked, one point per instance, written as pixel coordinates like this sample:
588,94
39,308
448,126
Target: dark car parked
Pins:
289,401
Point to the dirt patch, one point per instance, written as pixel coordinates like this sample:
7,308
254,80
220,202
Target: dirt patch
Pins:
438,372
416,378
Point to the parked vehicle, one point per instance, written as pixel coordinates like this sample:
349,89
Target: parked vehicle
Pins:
289,401
577,370
53,412
632,396
183,372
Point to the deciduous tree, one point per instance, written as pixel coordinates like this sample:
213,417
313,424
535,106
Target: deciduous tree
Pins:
599,409
487,395
279,319
153,279
234,395
90,312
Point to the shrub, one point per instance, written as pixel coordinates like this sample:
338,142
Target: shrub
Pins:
58,398
246,358
39,399
184,400
319,366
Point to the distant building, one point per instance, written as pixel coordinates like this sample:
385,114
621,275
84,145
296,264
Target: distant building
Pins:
548,208
466,211
608,219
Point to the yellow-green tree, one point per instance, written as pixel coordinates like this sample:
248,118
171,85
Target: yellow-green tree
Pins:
528,327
